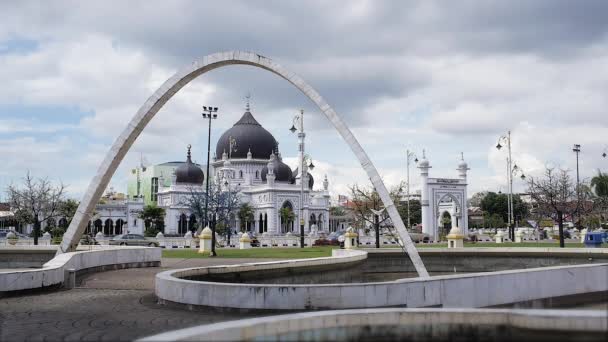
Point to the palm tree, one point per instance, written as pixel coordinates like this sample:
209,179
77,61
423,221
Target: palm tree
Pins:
599,184
245,215
287,216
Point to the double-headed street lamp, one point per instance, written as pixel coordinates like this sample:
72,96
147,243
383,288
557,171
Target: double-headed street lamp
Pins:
409,155
299,120
512,170
209,113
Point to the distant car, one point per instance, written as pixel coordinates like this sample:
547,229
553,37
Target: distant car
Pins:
326,242
4,232
255,242
132,240
88,240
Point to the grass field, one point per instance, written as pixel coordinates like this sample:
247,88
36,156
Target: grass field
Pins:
506,244
277,253
324,251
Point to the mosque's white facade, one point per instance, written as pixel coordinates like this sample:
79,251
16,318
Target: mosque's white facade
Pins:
252,167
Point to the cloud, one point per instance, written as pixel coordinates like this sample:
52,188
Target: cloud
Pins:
446,77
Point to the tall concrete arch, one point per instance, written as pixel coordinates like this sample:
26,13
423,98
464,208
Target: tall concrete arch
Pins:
125,140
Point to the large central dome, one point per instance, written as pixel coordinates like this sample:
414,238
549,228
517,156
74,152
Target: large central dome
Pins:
249,135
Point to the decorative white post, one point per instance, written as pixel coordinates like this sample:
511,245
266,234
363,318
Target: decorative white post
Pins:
188,239
519,236
500,237
427,226
205,238
350,239
161,239
245,241
455,238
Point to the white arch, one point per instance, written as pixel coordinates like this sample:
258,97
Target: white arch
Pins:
123,143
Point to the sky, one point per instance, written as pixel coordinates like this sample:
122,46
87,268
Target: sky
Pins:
447,77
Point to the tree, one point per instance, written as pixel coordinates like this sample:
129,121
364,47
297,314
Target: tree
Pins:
495,204
368,207
222,203
556,196
37,202
475,200
195,201
337,211
287,216
154,219
245,215
599,184
68,209
415,211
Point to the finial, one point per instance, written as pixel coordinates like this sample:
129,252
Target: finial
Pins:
247,106
189,158
423,154
462,156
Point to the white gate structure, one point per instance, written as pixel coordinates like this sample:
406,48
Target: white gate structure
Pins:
441,195
148,110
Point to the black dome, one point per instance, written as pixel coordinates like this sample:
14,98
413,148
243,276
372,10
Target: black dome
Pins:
311,180
189,173
249,135
282,171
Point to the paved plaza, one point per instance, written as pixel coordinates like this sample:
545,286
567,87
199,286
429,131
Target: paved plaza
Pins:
106,306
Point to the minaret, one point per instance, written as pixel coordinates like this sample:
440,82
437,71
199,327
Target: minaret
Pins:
270,175
464,215
325,183
462,167
427,227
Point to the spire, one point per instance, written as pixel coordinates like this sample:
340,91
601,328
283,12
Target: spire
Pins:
189,155
462,156
247,104
423,154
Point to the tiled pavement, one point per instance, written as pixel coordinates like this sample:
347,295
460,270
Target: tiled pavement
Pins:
107,306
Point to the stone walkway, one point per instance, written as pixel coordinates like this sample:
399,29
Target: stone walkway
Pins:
107,306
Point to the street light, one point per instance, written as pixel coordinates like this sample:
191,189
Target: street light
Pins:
299,119
408,156
209,113
577,149
506,139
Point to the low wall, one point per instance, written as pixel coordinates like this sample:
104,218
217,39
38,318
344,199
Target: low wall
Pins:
483,259
461,290
25,256
54,272
405,325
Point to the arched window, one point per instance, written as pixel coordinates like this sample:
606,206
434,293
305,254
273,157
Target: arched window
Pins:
241,174
257,175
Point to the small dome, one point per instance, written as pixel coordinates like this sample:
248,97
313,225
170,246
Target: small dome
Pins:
462,165
296,173
189,173
282,171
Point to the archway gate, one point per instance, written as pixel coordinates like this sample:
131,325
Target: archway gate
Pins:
435,192
125,140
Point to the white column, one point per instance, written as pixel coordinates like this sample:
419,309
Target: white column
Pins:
427,226
462,173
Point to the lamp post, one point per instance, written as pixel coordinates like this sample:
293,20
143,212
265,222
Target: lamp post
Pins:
511,171
209,113
409,156
506,139
299,120
577,149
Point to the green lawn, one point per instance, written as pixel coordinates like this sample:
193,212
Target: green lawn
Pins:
274,252
506,244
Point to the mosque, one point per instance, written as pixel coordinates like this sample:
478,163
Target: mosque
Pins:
249,165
